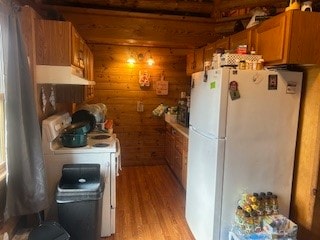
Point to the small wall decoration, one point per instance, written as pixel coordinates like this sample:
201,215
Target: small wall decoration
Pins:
162,86
144,79
44,100
52,99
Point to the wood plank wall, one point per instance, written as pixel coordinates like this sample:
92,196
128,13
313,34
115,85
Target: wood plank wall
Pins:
305,206
141,134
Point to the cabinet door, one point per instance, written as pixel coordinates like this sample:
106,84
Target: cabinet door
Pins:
304,38
223,43
88,63
270,39
177,166
77,49
241,38
190,63
184,163
53,42
169,150
209,50
199,57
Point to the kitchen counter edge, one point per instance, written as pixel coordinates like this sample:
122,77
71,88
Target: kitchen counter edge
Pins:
183,130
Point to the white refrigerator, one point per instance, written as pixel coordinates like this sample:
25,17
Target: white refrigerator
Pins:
242,138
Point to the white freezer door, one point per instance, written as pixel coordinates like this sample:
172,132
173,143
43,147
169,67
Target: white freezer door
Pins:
260,139
209,101
203,195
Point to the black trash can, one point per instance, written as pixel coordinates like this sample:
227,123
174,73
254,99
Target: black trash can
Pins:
79,199
49,231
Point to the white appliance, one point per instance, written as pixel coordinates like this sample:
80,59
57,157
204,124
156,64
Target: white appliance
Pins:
101,149
242,145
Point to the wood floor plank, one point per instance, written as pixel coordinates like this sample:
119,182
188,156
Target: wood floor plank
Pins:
150,205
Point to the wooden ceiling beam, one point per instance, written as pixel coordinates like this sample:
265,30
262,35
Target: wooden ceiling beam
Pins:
225,5
185,8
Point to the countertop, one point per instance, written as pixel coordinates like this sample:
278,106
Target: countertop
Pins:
183,130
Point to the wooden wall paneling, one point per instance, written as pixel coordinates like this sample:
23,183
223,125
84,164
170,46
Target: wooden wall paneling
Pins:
142,135
202,8
140,29
307,158
227,5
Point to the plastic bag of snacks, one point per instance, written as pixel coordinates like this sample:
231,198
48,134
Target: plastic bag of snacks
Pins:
160,110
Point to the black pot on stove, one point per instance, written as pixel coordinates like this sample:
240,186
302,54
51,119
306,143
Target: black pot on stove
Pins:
75,135
84,116
74,140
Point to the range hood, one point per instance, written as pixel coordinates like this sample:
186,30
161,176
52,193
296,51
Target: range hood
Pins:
48,74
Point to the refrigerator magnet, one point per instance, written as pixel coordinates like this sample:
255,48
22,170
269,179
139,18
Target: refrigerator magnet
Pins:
212,85
291,87
234,91
273,82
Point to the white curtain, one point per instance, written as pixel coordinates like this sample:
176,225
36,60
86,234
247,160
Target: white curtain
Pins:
26,186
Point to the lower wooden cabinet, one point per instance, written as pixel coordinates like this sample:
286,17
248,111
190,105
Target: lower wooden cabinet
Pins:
176,153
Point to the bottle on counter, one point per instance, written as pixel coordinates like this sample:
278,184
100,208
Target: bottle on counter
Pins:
261,205
267,205
239,218
256,221
248,223
274,204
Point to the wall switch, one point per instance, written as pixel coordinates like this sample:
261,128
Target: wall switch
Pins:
140,107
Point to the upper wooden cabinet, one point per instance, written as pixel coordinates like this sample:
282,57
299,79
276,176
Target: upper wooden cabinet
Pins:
209,50
58,43
223,43
78,49
242,38
53,42
289,38
190,63
199,59
195,61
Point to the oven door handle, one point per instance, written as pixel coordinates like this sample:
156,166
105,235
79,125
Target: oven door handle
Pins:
118,157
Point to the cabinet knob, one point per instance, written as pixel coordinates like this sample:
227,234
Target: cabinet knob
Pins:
314,192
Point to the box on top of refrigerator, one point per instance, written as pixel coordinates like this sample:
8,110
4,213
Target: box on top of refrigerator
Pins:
230,59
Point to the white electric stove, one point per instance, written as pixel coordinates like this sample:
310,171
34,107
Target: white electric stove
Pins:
101,148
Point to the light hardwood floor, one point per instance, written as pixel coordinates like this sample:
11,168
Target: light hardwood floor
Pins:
150,205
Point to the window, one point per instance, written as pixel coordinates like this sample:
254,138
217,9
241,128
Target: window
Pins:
2,117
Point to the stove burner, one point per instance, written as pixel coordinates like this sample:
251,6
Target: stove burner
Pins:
100,136
100,145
